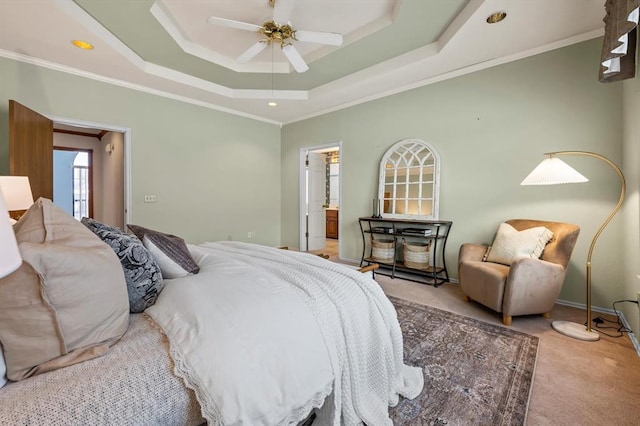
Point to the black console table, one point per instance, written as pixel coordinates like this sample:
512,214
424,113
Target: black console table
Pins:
434,232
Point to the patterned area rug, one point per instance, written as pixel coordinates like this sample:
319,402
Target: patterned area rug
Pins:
475,373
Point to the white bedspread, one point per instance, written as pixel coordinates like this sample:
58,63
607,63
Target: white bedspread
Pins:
264,335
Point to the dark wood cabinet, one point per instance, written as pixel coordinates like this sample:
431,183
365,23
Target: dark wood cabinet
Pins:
332,223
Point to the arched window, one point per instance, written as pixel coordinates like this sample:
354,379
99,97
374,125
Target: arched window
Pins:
409,180
81,185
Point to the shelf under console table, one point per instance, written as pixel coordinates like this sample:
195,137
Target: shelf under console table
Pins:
394,233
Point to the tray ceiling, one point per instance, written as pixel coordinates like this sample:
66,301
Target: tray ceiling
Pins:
168,47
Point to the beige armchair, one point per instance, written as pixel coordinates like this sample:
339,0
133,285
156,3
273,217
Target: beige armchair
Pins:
528,286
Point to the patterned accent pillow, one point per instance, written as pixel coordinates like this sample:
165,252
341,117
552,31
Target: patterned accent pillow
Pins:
141,271
170,251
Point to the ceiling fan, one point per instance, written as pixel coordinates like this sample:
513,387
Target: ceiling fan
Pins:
283,34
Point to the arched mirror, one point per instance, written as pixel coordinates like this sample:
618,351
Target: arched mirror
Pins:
409,180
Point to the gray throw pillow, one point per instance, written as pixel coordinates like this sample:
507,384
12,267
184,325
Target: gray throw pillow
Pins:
141,271
170,251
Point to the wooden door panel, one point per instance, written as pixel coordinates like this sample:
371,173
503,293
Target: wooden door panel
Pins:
31,148
332,223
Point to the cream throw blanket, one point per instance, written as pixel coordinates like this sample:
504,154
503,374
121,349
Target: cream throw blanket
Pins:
353,317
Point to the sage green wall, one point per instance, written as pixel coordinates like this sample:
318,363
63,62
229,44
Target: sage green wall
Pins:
216,175
491,129
631,207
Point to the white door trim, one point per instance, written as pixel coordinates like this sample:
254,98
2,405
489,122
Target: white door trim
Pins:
302,187
127,153
316,200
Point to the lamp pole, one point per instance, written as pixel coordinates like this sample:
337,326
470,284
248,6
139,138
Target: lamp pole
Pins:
623,188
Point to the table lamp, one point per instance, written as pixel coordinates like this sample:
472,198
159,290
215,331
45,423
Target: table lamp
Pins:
552,171
17,192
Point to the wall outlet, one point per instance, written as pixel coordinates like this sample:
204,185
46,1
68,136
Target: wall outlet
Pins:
251,234
150,198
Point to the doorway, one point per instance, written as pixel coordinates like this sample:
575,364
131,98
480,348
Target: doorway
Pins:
88,173
73,181
31,143
320,199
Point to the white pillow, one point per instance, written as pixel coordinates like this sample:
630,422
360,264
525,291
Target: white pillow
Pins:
170,251
168,267
510,243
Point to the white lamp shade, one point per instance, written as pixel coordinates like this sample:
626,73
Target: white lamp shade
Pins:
10,258
553,171
17,192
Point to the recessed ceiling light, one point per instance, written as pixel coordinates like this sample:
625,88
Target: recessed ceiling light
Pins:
272,104
82,44
496,17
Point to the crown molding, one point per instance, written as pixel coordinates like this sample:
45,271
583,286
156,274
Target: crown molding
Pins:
393,64
128,85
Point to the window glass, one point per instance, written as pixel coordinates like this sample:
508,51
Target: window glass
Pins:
81,185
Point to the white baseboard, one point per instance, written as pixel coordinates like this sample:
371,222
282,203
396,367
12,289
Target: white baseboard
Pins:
354,261
624,321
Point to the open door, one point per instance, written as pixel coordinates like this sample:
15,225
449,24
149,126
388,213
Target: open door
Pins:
316,219
31,148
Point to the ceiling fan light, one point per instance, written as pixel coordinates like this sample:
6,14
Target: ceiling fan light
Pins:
294,57
282,34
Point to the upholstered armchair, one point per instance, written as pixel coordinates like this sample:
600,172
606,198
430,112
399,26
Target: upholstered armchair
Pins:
527,286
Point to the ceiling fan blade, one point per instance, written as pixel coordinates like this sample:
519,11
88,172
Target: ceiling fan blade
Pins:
251,52
295,58
282,11
333,39
230,23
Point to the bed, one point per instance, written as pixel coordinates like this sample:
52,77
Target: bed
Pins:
132,384
258,336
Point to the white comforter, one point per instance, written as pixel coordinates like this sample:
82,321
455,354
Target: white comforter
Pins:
265,335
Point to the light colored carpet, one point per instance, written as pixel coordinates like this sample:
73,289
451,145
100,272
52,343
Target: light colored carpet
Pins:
330,249
575,382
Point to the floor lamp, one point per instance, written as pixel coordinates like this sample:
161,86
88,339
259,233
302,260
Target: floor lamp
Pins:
552,171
